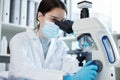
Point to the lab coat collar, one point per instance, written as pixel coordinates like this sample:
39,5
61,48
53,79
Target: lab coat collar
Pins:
31,33
52,49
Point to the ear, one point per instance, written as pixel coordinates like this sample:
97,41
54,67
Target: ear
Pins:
40,16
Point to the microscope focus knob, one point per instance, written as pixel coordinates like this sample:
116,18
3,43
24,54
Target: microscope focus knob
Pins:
99,64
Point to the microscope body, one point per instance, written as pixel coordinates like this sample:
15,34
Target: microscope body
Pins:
103,48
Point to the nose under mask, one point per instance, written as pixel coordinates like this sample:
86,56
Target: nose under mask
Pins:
51,30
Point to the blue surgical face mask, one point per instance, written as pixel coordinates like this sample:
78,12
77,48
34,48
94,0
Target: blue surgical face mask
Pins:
50,30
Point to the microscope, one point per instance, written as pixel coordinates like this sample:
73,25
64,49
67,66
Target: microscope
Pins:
96,43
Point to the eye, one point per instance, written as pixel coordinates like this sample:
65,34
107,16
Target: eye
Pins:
63,19
53,20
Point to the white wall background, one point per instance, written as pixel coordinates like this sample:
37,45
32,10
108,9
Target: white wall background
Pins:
116,15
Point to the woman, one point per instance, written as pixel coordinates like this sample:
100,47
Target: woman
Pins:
39,52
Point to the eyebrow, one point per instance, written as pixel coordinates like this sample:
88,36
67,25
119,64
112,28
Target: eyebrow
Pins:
55,17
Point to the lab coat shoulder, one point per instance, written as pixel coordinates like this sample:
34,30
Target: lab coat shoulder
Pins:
23,36
18,42
21,39
18,37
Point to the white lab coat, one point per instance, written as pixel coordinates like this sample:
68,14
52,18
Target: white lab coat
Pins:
27,58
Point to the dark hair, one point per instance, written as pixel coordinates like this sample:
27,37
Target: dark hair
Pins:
47,5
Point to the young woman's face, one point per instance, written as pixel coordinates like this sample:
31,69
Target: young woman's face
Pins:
56,13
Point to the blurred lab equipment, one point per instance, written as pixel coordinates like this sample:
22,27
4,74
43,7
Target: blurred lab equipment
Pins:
4,46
